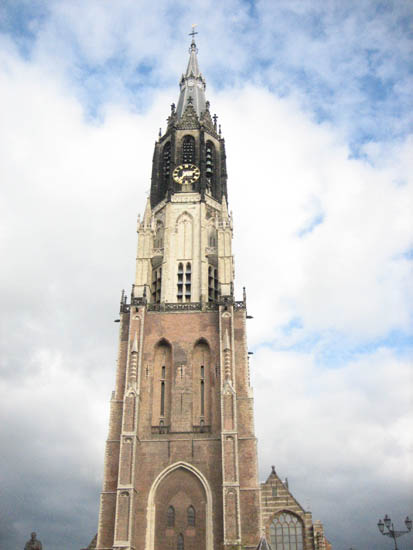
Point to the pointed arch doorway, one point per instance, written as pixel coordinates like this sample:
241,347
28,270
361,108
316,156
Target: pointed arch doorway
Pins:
180,492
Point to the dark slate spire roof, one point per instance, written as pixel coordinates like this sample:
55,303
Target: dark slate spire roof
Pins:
192,85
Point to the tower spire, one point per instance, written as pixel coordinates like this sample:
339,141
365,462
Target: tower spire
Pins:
192,83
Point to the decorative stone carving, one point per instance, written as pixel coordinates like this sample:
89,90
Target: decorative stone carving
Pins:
189,119
211,250
206,120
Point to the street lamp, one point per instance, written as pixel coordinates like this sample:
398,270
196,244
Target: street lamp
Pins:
391,532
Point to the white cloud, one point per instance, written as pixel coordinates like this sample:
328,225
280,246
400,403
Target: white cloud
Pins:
72,188
342,436
348,274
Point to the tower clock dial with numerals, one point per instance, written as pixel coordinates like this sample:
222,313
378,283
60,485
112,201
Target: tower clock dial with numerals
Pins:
186,173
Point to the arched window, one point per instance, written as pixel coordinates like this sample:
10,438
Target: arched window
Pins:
210,167
286,532
201,385
191,516
161,384
188,150
170,520
184,285
180,542
180,285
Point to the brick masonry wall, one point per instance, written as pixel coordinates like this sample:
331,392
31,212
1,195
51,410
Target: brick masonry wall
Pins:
138,454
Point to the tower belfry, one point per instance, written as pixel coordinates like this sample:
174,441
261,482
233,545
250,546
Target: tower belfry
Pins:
181,459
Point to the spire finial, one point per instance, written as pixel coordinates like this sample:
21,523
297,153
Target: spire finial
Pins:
193,32
193,47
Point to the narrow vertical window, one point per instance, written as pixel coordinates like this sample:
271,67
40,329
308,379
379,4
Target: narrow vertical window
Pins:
212,283
159,233
166,164
191,516
180,285
162,398
188,282
188,150
210,164
163,372
202,398
156,285
180,542
202,390
212,237
170,520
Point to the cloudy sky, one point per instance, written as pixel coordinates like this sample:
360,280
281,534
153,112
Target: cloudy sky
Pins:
315,101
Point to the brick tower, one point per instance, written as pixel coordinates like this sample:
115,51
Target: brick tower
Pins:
181,461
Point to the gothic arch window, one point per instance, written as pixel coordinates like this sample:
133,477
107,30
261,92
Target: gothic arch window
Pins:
184,282
191,516
180,545
210,163
180,284
188,150
162,383
286,532
166,165
170,518
202,388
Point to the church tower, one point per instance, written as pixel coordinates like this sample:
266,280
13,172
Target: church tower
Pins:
181,460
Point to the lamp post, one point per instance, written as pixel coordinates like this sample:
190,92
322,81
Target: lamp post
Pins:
391,531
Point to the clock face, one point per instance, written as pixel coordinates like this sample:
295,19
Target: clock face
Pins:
186,173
